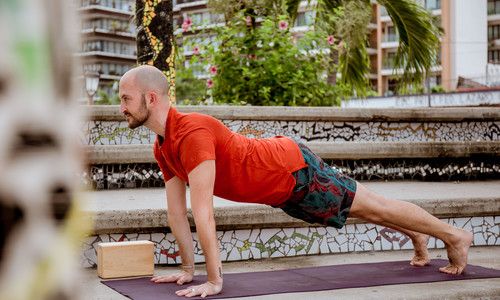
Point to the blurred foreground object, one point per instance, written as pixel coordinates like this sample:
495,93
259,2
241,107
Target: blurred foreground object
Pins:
41,226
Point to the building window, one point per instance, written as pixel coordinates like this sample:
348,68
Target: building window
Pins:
109,46
116,69
389,60
392,85
434,81
432,4
190,42
383,11
493,32
305,18
391,34
493,7
494,56
108,24
186,1
205,18
125,5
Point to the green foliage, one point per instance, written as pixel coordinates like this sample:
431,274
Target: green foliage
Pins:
188,88
105,99
349,23
264,65
261,65
438,89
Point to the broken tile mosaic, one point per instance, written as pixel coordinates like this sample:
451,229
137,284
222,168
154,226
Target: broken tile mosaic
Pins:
248,244
117,176
117,133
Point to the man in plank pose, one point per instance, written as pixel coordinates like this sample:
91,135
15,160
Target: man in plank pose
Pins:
201,151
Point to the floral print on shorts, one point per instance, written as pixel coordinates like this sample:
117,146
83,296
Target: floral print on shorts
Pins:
322,194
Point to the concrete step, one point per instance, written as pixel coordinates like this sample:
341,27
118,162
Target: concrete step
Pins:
252,231
280,113
119,154
465,289
143,210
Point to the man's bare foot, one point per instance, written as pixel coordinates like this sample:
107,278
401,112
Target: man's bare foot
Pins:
421,257
457,249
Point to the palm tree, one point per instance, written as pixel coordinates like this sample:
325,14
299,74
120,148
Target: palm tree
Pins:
347,20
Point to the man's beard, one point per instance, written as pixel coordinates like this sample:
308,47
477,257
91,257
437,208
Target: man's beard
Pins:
143,115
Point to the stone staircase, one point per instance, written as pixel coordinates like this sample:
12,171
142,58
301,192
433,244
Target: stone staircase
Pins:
443,159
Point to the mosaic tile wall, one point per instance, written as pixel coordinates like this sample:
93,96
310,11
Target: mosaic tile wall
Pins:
446,169
119,176
116,133
285,242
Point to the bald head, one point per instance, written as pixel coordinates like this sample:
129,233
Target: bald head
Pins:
146,78
144,99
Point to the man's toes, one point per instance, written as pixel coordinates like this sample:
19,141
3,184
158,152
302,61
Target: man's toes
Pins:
449,269
418,263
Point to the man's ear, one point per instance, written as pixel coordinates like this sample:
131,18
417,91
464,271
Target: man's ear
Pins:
152,98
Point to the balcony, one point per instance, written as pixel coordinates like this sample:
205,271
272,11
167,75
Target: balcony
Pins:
123,5
389,38
371,51
109,49
390,41
105,32
181,4
132,57
384,16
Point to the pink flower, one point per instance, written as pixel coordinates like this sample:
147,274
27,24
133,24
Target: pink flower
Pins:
210,83
213,70
331,39
252,56
186,25
283,25
249,20
196,50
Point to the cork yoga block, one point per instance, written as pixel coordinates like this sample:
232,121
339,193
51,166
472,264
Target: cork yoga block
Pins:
125,259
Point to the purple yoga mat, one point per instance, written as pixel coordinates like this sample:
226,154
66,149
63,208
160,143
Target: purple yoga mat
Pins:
304,280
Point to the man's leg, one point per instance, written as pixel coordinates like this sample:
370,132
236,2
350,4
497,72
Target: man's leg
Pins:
378,209
419,240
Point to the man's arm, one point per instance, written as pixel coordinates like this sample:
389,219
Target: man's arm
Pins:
201,182
178,222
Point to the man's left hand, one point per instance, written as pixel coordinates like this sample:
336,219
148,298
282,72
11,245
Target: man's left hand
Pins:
203,290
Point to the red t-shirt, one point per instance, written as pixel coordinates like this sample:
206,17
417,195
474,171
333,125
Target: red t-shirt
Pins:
247,170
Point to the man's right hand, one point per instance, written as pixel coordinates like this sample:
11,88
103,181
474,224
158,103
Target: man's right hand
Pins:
180,278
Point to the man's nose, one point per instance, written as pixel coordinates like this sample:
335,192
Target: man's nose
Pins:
122,108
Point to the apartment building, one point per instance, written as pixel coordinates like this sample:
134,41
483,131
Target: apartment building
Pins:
108,40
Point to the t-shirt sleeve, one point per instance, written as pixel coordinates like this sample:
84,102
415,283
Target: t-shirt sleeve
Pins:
167,174
197,147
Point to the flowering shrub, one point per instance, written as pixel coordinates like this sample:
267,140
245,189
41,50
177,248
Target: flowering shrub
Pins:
266,65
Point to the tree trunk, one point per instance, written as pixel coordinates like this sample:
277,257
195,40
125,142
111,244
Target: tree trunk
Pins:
155,38
332,71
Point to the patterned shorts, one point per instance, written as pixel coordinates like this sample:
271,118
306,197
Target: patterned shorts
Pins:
322,194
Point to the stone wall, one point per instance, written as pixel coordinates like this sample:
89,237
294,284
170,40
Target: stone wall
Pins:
331,125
